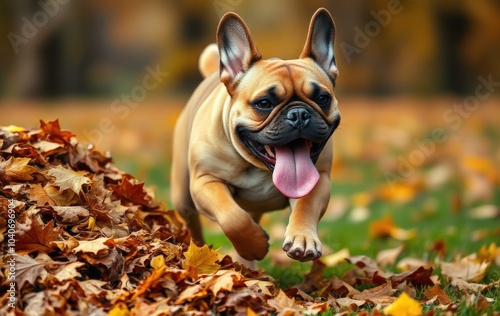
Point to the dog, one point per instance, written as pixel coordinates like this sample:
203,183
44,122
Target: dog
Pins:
256,137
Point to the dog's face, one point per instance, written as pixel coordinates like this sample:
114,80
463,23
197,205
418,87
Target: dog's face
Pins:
282,112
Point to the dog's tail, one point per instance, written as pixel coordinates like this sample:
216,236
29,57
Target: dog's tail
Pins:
209,60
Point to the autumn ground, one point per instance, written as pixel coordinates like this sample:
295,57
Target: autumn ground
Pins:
419,178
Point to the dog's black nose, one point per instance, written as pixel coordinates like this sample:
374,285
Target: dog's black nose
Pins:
298,117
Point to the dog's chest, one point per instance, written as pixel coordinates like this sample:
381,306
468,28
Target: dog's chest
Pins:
255,185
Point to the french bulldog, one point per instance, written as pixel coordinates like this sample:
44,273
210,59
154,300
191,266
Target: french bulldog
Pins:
255,137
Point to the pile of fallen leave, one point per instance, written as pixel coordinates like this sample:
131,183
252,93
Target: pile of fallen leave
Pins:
80,237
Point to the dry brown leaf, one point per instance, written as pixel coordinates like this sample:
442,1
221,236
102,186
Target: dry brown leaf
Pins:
69,272
222,280
284,305
98,246
67,179
337,288
37,237
376,295
16,169
438,294
469,269
28,270
345,302
413,263
53,132
70,215
38,194
61,198
387,257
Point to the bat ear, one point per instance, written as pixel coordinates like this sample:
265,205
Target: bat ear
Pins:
236,49
319,42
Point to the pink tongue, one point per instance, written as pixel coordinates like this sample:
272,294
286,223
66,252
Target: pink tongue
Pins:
294,173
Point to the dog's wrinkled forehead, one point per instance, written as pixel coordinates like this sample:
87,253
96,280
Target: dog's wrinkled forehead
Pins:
298,77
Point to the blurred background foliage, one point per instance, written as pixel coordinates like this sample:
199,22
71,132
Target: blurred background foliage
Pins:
99,49
407,69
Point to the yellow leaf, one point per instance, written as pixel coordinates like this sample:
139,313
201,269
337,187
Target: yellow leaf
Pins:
119,309
385,227
91,223
202,259
334,258
399,192
404,306
362,199
158,262
490,253
13,129
250,312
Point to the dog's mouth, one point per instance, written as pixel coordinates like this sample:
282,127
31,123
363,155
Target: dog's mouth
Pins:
292,164
267,154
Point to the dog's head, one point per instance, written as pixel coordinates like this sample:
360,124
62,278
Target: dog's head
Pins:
283,111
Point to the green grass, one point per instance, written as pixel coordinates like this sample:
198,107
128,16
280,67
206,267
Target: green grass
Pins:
431,213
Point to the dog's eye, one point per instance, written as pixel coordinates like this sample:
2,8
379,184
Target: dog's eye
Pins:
323,100
263,104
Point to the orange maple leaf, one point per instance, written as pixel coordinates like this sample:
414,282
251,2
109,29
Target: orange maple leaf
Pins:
202,259
37,237
385,227
130,191
52,131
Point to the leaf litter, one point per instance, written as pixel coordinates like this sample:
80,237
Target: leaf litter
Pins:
91,239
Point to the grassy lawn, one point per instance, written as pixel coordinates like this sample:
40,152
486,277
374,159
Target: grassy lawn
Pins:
439,201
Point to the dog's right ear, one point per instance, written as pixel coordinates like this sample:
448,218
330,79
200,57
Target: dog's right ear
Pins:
236,50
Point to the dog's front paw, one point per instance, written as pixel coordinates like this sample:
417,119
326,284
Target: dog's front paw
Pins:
302,247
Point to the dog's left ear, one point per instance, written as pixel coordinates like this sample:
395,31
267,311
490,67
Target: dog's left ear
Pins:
236,49
319,42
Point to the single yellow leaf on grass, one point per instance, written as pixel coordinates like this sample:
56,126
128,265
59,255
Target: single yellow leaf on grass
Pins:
385,227
202,259
490,253
404,306
362,199
398,192
334,258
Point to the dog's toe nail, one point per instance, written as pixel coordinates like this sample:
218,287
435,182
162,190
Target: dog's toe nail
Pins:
297,253
310,255
287,246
